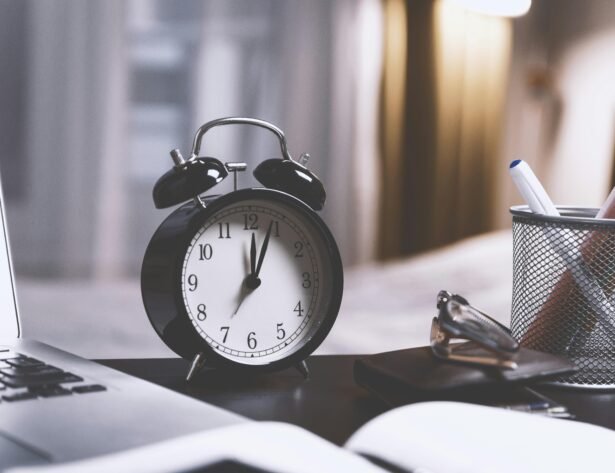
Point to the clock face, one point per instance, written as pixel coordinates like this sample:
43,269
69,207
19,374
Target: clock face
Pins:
257,280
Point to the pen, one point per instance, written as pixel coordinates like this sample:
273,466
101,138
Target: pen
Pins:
557,412
532,406
542,405
591,250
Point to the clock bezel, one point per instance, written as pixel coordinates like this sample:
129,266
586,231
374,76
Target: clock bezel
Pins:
163,297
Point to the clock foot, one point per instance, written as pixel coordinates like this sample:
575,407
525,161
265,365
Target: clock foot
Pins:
303,369
195,366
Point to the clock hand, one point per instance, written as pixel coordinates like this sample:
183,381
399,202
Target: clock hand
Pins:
261,256
253,255
251,281
244,290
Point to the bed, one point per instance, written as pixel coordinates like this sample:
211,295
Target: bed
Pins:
385,306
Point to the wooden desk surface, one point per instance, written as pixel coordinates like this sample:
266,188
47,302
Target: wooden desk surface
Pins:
329,403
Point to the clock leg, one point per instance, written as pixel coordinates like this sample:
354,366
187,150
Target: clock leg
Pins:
195,366
303,369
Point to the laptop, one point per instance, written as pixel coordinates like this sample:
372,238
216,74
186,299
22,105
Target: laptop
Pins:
58,407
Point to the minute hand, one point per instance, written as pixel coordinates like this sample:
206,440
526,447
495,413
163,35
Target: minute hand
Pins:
261,256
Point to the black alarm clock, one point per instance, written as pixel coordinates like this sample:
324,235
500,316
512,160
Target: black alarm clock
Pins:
250,280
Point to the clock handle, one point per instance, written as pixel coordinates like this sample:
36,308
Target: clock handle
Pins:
198,137
285,174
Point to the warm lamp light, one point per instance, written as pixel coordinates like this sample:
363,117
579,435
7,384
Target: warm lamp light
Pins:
509,8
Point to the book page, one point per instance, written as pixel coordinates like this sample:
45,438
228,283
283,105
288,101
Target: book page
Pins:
270,446
438,437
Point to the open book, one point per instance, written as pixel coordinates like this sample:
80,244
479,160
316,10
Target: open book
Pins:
430,437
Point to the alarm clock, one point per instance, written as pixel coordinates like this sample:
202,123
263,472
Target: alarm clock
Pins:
249,280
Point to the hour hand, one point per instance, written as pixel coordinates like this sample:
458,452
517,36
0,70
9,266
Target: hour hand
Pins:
251,281
253,255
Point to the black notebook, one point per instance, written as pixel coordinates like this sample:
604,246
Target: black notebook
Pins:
415,374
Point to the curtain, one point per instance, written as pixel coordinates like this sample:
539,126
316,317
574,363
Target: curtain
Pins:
111,86
442,98
315,73
355,174
73,121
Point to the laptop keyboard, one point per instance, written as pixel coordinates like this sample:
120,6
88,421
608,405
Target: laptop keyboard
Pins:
25,378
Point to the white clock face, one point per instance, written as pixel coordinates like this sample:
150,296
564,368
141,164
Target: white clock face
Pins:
255,281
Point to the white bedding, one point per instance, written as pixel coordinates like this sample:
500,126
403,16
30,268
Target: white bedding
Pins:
390,306
385,306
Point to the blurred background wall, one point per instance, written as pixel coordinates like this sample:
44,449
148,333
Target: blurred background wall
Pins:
410,109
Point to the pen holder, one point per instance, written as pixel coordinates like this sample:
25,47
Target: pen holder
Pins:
564,290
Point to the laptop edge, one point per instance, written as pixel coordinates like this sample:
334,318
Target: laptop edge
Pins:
129,412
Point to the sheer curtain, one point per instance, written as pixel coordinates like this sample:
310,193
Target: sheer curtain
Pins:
316,73
72,127
112,86
356,173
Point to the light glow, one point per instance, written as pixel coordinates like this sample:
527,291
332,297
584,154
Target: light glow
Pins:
506,8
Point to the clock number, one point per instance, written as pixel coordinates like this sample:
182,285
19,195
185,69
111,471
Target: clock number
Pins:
250,222
193,282
205,252
202,315
299,248
225,330
276,228
307,281
224,230
298,309
281,332
252,340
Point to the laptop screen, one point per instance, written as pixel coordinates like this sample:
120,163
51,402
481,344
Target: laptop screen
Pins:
9,323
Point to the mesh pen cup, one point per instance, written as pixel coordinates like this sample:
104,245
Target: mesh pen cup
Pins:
564,290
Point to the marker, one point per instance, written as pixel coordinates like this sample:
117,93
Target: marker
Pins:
531,189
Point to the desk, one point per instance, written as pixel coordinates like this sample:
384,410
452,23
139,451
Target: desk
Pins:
328,404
